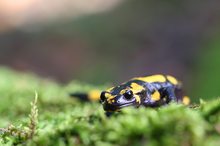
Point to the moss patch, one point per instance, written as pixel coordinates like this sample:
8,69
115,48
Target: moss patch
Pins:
63,121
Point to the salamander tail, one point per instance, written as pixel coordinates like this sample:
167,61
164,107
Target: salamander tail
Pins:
93,95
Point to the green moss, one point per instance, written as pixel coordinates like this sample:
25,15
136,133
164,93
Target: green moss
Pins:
65,121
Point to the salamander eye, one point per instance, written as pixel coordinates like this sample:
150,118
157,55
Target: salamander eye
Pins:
128,94
102,97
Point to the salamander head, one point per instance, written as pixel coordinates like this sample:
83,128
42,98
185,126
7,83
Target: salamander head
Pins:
121,96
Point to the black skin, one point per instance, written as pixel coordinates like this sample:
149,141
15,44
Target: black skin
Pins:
168,92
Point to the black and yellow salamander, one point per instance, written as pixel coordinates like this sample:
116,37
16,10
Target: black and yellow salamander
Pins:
150,91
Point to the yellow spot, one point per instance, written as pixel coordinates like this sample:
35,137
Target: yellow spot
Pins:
111,100
110,89
154,78
136,88
138,99
94,95
156,96
109,96
186,100
172,80
122,91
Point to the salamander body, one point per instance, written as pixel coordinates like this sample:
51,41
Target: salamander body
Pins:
150,91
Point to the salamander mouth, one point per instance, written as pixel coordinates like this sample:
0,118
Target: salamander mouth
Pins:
110,107
124,105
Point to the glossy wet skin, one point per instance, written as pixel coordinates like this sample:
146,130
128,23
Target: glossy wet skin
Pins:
121,96
150,91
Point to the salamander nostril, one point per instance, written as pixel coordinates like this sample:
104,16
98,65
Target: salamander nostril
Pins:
102,97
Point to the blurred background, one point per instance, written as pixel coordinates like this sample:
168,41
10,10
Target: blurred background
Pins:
110,41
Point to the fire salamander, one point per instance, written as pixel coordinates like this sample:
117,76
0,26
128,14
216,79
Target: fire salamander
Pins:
150,91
